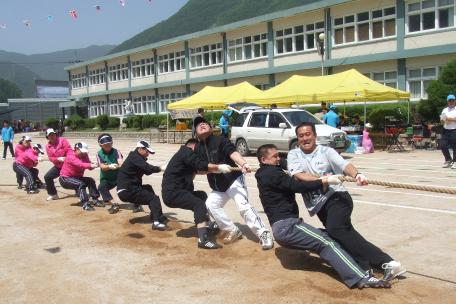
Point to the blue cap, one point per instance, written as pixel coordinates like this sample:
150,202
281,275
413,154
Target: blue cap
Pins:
451,97
332,107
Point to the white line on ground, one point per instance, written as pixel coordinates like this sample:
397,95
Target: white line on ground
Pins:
406,207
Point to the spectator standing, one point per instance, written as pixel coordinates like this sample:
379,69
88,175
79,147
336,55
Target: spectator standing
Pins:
331,118
7,138
448,117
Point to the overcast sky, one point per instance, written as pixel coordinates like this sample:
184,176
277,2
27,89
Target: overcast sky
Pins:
113,24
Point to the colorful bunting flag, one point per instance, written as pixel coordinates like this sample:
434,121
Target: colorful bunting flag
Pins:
74,14
50,18
3,26
27,23
98,8
122,2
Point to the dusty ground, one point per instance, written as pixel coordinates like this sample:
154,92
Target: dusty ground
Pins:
52,252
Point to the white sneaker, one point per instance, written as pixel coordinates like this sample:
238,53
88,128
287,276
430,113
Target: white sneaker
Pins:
232,236
266,240
3,158
392,270
447,164
454,166
52,197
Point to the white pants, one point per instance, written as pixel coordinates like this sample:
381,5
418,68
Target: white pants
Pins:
238,192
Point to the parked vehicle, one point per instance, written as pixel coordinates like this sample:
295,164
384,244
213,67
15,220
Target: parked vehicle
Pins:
255,126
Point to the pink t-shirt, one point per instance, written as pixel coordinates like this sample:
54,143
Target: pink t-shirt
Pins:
73,166
28,158
60,148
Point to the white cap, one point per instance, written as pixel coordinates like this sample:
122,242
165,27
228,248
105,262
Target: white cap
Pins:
26,138
50,131
145,144
82,146
368,125
39,148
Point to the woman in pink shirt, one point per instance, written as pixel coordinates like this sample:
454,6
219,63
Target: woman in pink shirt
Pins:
26,160
72,176
56,149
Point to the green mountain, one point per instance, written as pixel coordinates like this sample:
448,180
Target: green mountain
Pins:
198,15
24,69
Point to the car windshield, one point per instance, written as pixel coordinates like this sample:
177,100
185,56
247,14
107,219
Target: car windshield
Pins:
296,117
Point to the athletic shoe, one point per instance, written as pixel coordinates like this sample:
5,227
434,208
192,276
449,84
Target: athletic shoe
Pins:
52,197
163,219
392,269
207,244
138,208
33,191
454,166
88,207
232,236
447,164
98,203
266,240
20,186
114,208
212,229
3,158
159,226
372,282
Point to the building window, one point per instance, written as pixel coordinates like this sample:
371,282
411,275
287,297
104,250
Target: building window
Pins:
142,68
97,76
298,38
118,72
248,47
171,62
429,15
165,99
206,55
388,78
419,80
97,108
365,26
78,80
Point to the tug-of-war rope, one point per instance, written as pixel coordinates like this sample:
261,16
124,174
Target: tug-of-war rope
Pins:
388,184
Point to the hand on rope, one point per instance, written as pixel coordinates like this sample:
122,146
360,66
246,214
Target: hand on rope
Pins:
246,168
223,168
361,179
61,159
93,166
333,179
113,166
163,167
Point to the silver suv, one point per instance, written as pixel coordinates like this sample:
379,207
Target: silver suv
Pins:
256,126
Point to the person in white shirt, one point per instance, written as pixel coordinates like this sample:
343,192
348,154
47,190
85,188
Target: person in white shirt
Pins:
335,205
448,118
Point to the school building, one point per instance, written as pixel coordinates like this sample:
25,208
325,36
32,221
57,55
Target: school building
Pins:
399,43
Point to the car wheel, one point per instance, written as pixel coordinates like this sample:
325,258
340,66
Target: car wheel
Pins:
242,148
294,144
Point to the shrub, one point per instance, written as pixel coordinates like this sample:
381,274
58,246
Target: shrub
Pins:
76,122
103,121
52,122
129,121
90,123
153,121
114,122
137,122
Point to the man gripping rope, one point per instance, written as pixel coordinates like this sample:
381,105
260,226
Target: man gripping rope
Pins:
130,188
178,189
277,195
219,150
335,206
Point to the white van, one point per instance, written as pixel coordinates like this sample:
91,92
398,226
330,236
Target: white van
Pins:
256,126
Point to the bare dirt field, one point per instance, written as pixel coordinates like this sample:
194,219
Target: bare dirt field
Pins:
53,252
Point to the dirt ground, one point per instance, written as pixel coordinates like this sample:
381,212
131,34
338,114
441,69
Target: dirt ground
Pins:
53,252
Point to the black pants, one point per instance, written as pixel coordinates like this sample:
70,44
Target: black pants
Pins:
49,177
143,195
188,200
7,144
104,188
80,184
448,141
30,175
335,216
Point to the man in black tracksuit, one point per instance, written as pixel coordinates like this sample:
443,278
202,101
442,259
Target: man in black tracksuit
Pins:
277,194
178,189
130,188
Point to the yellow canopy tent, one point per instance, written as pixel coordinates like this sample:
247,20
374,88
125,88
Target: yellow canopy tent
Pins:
345,86
216,98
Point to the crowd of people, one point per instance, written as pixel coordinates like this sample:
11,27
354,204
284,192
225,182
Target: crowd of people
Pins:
339,244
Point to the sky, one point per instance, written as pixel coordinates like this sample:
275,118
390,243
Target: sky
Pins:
113,24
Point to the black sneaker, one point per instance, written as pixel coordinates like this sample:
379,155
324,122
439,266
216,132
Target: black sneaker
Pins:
98,203
207,244
20,186
213,229
114,208
372,282
160,226
163,219
138,208
33,191
88,207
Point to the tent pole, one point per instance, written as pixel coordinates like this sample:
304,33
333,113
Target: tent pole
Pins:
167,127
365,113
344,109
408,112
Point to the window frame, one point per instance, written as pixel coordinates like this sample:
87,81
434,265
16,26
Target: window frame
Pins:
280,35
209,51
434,9
240,43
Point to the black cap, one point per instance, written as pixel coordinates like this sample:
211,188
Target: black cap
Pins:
199,120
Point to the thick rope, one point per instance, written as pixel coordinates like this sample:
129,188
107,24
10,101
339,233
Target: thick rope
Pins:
388,184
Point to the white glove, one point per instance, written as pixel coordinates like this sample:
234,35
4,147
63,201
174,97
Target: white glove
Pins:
246,168
113,166
361,179
93,166
40,159
334,180
61,159
163,167
223,168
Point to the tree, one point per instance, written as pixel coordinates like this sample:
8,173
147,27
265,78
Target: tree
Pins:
8,90
437,92
103,121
